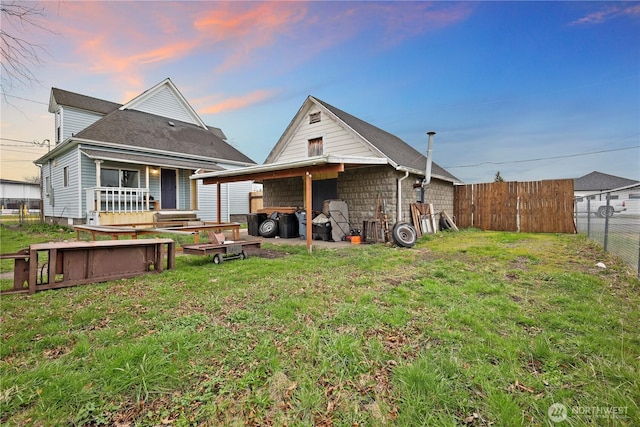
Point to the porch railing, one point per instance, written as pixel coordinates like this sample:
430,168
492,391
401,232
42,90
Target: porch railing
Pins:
114,199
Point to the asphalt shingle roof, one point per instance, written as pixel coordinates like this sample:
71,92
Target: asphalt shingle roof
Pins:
83,102
148,131
393,147
598,181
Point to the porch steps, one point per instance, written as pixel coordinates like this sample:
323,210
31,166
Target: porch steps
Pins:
178,217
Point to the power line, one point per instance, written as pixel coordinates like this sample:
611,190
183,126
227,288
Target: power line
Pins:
542,158
27,99
17,140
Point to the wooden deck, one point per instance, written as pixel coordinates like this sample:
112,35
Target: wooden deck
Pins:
170,227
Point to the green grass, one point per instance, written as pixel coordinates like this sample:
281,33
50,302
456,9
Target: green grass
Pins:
470,328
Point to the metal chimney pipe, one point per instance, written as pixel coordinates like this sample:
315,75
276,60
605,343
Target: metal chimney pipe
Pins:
427,173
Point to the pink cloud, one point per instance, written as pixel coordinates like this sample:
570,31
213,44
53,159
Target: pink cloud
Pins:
234,103
610,12
247,29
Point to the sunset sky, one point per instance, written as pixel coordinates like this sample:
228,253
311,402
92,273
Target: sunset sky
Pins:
535,90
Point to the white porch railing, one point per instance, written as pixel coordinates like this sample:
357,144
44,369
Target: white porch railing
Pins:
114,199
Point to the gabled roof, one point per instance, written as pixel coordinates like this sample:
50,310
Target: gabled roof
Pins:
395,149
139,102
127,126
156,133
81,102
598,181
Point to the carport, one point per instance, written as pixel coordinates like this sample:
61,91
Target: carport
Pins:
305,169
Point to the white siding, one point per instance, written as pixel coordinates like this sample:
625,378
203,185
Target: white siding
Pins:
73,121
164,103
336,139
207,202
239,197
23,191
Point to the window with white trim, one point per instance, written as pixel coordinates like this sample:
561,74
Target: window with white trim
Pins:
119,178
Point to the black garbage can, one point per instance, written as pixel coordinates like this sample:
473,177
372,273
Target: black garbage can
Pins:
288,226
253,223
302,221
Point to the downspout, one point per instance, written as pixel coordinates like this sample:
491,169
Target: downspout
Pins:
399,203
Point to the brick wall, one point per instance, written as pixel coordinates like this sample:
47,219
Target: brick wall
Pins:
359,187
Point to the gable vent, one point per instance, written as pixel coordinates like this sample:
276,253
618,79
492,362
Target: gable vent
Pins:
314,117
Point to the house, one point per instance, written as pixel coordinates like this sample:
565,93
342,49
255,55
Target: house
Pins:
122,163
597,184
17,195
328,154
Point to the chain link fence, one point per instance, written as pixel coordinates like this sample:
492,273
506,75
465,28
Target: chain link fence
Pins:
612,218
20,212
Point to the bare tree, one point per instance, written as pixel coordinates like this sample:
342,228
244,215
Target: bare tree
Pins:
19,55
34,178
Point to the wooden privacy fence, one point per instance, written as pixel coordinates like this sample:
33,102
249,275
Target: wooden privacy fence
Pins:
534,206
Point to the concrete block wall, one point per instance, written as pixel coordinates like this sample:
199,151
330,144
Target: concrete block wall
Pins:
359,187
283,192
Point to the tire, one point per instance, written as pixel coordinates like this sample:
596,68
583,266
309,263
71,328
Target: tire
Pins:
404,234
243,255
268,228
444,224
217,259
604,211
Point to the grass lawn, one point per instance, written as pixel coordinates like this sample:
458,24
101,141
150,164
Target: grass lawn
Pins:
471,329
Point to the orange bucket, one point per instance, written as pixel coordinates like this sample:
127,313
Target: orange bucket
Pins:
355,240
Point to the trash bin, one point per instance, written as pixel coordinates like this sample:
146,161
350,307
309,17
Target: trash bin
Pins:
302,222
253,223
322,231
288,226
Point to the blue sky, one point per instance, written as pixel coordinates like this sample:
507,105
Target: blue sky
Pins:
535,90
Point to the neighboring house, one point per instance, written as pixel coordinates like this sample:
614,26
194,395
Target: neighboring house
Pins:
596,184
348,159
16,195
121,163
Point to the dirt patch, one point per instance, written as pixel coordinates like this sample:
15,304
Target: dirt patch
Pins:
266,253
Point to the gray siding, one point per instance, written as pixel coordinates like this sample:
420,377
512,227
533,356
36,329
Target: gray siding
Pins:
63,201
184,189
76,120
164,103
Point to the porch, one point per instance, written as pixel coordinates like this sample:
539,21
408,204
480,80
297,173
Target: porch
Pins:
120,205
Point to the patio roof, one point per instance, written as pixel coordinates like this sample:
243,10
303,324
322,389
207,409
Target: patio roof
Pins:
318,164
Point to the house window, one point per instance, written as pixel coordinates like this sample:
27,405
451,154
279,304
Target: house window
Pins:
314,117
65,176
315,147
119,178
47,185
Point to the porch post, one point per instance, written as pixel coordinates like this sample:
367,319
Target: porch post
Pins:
146,184
219,202
98,184
308,202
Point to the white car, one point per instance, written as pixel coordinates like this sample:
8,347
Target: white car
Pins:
599,207
632,205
